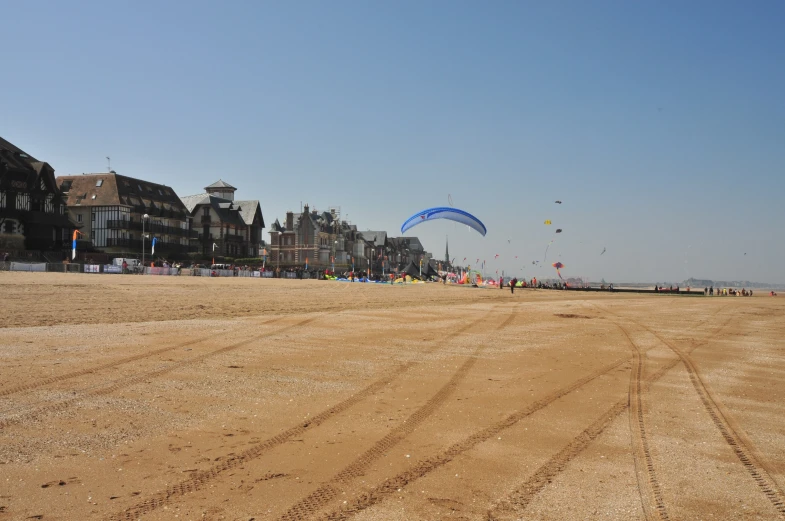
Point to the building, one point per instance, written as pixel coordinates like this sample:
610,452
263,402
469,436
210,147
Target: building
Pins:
380,249
403,250
31,207
225,227
112,210
323,238
308,235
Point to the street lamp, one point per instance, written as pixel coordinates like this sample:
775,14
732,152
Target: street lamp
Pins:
335,248
144,218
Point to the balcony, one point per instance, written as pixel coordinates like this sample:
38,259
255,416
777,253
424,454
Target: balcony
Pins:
160,246
153,228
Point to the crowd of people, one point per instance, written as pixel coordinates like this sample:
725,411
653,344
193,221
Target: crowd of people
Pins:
724,292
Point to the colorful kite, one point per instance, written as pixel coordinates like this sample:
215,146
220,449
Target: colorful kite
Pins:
548,222
558,266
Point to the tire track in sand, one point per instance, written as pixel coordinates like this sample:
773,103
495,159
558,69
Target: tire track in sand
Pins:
308,506
428,465
141,377
200,479
731,432
519,500
90,370
648,486
424,467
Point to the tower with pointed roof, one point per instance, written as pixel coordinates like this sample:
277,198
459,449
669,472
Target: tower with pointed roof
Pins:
447,251
221,189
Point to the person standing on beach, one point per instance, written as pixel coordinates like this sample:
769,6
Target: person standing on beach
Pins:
513,282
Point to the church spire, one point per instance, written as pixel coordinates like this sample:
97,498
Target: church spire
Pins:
447,251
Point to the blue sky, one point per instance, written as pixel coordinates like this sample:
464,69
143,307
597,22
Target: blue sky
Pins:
661,126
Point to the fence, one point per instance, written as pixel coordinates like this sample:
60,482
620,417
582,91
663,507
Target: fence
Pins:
113,269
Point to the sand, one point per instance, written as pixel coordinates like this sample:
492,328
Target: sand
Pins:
130,397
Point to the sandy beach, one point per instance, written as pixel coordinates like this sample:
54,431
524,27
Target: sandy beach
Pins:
130,397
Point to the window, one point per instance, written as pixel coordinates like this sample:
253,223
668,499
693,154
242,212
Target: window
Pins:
160,192
206,210
149,188
43,185
79,217
99,182
22,201
93,196
2,199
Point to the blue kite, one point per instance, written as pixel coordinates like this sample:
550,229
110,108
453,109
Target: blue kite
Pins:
452,214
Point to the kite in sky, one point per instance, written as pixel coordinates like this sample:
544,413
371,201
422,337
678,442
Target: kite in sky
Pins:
558,202
548,221
558,266
603,251
452,214
558,230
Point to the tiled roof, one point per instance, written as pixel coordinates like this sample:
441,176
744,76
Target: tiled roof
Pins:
220,184
225,209
111,189
191,201
248,211
376,238
6,145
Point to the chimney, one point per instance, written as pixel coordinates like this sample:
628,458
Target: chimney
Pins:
306,210
289,221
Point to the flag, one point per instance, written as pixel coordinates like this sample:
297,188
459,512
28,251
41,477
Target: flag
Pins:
152,250
306,263
73,246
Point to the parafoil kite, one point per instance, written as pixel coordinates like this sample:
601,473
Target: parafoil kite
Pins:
558,230
452,214
558,202
603,251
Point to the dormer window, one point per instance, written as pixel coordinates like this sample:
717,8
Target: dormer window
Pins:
99,182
